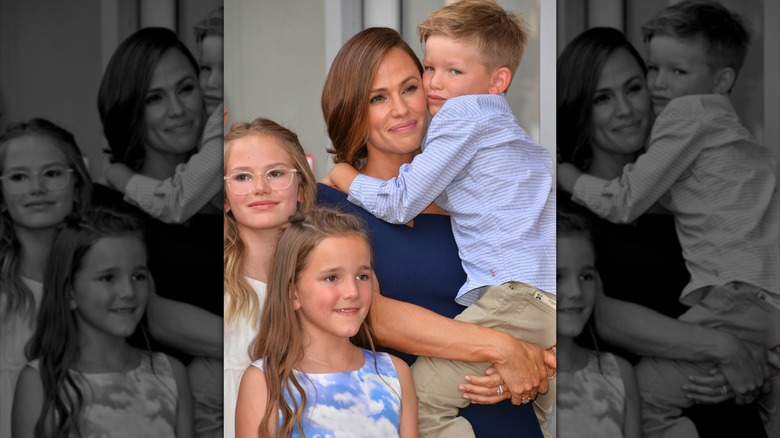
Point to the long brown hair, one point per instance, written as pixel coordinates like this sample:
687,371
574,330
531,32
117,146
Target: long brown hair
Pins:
279,341
579,70
55,342
15,296
347,89
241,299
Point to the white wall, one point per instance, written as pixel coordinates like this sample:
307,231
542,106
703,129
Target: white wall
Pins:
277,55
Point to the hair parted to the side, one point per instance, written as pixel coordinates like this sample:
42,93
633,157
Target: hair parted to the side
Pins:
15,296
347,89
724,35
279,341
578,73
240,297
55,342
499,36
122,93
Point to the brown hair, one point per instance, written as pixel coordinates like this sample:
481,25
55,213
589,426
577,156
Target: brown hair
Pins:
347,90
499,36
242,298
279,342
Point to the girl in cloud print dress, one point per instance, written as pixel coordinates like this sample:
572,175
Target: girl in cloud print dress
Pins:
310,377
85,379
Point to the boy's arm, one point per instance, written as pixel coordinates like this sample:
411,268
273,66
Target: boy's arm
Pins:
179,197
341,177
568,175
118,175
448,150
679,135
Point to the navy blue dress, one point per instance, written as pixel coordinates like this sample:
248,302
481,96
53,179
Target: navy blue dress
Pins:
420,265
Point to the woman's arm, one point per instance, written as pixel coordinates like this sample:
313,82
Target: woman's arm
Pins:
28,401
414,330
250,407
632,418
184,415
408,399
648,333
185,327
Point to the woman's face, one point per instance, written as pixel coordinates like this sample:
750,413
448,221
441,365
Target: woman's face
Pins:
621,106
32,161
174,106
397,113
262,208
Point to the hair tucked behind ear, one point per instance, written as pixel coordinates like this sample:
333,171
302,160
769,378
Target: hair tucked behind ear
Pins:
279,341
55,342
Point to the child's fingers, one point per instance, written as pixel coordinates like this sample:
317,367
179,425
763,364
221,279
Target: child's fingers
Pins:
489,381
483,395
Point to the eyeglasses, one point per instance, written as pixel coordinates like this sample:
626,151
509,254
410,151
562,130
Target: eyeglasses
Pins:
242,183
53,178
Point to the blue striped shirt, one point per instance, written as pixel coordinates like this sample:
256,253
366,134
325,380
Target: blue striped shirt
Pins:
720,184
497,185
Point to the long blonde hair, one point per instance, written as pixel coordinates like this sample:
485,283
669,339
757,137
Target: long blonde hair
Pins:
241,299
279,342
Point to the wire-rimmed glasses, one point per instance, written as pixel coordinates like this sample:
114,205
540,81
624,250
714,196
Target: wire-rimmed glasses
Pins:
17,182
243,182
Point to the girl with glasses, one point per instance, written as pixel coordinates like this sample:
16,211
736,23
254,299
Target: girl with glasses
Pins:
257,209
43,182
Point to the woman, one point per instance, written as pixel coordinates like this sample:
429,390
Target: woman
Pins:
44,182
604,119
255,215
152,112
374,86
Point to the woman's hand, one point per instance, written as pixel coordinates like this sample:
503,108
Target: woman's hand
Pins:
485,390
525,370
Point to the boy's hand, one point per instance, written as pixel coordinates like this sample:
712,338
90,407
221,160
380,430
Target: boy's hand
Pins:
341,177
118,175
567,176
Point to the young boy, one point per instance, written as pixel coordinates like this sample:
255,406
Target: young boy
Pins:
196,186
497,185
721,186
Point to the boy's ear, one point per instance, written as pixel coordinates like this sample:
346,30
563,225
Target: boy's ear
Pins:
724,80
500,81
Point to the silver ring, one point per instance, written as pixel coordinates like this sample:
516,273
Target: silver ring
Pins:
500,390
724,390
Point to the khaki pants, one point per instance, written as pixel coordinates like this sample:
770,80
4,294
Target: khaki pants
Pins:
520,310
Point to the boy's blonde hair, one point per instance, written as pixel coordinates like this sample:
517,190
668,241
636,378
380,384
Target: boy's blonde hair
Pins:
724,35
499,36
